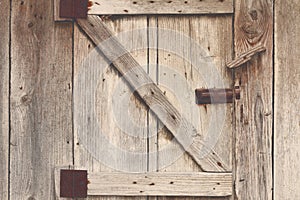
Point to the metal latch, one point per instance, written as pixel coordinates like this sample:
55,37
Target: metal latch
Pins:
217,96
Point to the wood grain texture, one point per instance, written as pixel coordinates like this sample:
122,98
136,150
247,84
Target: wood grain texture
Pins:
253,113
160,184
287,102
4,98
111,114
132,7
245,57
179,75
182,129
41,96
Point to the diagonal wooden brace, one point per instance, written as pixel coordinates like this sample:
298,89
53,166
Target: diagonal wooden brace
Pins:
184,132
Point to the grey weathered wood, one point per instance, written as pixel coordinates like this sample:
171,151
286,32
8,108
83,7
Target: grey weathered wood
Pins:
108,84
41,99
125,7
160,184
213,35
287,101
4,98
253,113
245,57
188,136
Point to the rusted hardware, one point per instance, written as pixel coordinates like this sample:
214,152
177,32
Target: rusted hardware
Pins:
217,96
73,8
73,183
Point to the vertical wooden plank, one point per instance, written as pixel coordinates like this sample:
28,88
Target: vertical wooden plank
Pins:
287,87
122,120
253,113
4,103
41,96
176,74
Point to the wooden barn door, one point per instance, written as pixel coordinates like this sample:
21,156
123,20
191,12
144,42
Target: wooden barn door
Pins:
180,53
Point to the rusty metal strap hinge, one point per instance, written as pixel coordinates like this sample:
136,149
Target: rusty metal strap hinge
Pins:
73,8
73,183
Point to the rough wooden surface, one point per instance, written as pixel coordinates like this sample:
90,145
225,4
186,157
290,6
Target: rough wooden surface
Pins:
184,132
125,7
245,57
253,113
287,101
178,78
110,88
160,184
4,98
41,96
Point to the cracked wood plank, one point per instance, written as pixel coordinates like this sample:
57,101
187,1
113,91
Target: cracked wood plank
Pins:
41,99
141,7
4,98
287,101
187,136
188,184
253,112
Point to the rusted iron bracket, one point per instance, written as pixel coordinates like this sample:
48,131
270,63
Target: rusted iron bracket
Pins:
73,183
216,96
73,8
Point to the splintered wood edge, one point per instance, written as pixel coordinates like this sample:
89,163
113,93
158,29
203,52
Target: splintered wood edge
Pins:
138,7
245,57
160,184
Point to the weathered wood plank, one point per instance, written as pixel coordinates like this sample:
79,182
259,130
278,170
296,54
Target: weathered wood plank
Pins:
115,119
41,96
125,7
182,129
179,75
160,184
245,57
287,101
253,113
4,98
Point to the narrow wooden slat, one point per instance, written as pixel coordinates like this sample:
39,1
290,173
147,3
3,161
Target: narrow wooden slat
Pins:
160,184
4,97
253,112
184,132
287,101
125,7
110,85
245,57
41,99
138,7
179,75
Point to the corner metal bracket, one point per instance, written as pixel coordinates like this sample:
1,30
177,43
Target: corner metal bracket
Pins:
73,8
73,183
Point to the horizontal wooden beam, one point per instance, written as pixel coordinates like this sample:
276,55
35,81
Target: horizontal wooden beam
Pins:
160,184
184,132
138,7
132,7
